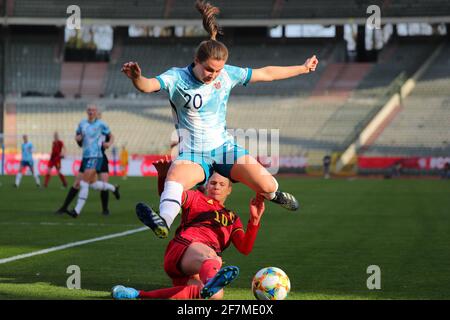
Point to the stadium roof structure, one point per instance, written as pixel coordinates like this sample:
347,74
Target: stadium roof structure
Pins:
233,12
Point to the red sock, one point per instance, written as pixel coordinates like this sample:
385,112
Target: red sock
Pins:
180,292
47,179
63,179
209,269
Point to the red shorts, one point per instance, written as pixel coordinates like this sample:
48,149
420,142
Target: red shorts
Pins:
54,163
172,260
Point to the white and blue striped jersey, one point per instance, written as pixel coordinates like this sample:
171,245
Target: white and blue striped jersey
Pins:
199,110
27,151
92,133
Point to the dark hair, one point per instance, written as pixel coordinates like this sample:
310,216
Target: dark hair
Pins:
210,48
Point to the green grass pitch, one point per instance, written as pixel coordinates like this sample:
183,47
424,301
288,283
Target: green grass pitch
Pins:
344,226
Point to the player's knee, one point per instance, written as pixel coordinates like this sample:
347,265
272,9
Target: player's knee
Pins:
269,185
212,256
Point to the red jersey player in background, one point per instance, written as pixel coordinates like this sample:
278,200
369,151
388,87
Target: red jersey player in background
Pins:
58,152
193,257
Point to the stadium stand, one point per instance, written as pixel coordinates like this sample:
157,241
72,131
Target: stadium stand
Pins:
231,9
421,128
397,61
33,65
308,122
99,9
321,112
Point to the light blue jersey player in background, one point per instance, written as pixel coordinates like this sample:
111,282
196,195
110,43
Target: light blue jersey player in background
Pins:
90,133
198,95
27,161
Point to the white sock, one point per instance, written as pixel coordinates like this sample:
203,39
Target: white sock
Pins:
271,195
18,178
101,186
170,202
38,181
82,196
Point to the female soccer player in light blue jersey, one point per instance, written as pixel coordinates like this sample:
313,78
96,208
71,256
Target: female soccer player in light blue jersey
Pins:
90,134
198,95
27,161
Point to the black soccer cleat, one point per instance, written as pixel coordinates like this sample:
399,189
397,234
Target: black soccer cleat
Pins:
72,213
116,192
61,211
106,212
152,220
286,200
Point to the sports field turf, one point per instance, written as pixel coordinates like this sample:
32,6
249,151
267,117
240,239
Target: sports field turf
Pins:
344,226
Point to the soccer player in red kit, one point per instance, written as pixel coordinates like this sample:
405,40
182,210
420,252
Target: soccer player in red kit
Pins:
58,151
193,257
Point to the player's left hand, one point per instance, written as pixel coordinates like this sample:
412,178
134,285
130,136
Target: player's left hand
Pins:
106,145
311,63
257,208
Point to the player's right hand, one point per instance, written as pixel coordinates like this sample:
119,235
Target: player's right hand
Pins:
257,208
131,70
163,165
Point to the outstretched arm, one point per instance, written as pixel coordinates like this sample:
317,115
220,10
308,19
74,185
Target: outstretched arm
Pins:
143,84
244,241
272,73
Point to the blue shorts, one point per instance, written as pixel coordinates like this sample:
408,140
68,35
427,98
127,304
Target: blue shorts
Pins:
105,164
91,163
220,160
25,163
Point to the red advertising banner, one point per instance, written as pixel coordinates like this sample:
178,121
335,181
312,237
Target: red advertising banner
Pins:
421,163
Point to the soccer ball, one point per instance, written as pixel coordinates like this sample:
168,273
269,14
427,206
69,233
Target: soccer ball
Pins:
271,283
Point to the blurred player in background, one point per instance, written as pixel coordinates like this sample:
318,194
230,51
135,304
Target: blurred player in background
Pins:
102,175
123,159
90,133
193,257
326,166
198,95
27,161
58,153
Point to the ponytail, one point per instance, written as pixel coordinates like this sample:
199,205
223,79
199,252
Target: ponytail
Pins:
209,13
210,49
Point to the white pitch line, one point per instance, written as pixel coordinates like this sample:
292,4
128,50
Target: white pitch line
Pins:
71,245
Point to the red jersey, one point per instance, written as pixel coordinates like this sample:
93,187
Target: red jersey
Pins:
57,149
207,221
